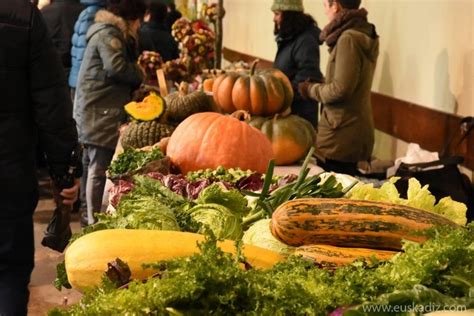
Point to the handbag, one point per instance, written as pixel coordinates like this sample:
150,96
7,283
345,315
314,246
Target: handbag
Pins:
446,179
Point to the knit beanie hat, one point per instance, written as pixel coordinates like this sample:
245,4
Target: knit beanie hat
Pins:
288,5
127,9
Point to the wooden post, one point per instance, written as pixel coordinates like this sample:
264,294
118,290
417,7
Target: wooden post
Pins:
160,75
219,34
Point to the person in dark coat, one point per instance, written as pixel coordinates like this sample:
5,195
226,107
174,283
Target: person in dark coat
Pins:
154,35
297,37
109,74
60,16
35,108
173,15
346,129
84,21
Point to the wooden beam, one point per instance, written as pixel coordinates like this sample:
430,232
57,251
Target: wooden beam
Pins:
235,56
414,123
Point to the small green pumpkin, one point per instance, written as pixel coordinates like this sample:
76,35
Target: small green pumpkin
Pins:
182,104
141,134
291,136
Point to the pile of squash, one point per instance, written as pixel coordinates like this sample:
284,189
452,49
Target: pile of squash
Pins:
147,125
209,140
267,96
155,118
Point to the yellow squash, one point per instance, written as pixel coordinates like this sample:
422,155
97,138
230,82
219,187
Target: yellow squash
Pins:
86,259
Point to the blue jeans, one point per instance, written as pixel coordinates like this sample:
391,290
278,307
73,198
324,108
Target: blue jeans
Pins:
99,161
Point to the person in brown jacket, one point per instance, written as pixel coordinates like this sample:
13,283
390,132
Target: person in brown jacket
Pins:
346,128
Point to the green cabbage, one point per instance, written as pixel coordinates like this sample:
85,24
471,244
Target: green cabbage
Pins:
417,197
259,234
231,199
218,218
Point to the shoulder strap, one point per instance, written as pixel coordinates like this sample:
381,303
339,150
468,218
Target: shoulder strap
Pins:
466,126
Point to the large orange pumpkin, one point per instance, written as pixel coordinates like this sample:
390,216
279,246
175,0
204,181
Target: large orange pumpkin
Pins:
209,140
260,93
291,136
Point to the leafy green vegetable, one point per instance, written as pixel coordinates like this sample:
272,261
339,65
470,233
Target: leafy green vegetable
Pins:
145,212
213,283
231,199
61,277
230,175
417,197
217,209
259,234
219,219
150,205
133,160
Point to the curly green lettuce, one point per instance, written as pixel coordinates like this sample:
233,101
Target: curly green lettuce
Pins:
417,197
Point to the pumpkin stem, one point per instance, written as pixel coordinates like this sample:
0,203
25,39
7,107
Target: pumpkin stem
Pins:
241,115
283,114
254,66
286,113
183,88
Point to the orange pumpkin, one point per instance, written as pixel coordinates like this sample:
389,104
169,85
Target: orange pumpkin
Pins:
260,93
291,136
209,140
207,85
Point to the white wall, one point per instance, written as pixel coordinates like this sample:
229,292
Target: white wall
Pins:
426,50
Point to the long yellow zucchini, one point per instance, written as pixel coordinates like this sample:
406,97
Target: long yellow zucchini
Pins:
86,259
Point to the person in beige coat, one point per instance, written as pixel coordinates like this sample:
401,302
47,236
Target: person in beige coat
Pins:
346,129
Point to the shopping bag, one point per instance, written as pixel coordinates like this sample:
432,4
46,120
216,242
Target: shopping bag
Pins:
443,175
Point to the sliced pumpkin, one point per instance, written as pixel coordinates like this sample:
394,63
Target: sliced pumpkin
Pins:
151,108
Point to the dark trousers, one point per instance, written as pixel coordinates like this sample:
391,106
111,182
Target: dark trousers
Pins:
349,168
16,261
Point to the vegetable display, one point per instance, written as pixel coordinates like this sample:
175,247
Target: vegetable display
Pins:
209,140
265,92
436,272
324,248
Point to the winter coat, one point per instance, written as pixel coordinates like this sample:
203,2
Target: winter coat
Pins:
298,58
84,21
35,106
155,37
60,17
107,77
346,127
172,17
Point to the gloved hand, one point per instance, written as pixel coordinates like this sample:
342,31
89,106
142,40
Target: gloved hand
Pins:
303,89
